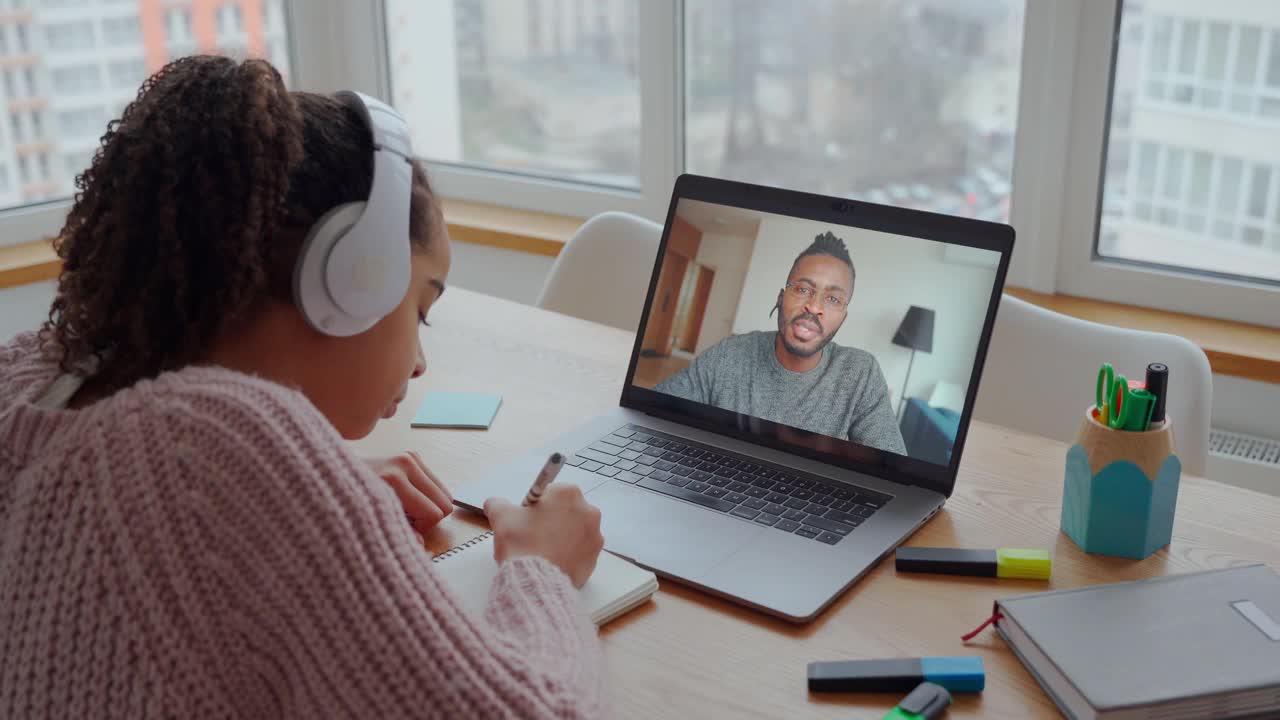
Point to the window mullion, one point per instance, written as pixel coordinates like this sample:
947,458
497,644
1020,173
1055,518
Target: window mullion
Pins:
1050,37
661,94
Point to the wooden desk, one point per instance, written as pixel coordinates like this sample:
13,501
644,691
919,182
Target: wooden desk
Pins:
688,655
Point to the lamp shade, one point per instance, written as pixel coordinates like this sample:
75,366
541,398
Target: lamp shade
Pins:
916,329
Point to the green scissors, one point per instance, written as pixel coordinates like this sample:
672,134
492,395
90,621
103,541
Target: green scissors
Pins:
1109,394
1118,406
1104,390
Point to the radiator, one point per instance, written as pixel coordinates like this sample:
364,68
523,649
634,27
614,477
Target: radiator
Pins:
1245,460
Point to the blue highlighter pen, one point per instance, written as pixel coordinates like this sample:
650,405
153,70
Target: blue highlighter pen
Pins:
956,674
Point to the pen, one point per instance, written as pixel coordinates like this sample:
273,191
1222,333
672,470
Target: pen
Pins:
1017,563
956,674
545,476
1158,385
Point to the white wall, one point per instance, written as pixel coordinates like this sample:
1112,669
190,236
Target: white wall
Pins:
893,273
502,273
1245,406
24,307
728,256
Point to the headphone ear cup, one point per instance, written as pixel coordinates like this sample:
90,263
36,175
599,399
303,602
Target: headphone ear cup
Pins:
311,292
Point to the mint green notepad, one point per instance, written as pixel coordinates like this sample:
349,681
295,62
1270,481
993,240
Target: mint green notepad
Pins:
457,410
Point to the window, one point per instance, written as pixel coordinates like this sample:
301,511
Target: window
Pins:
178,27
89,60
18,89
67,36
524,86
77,80
1196,194
122,31
78,162
83,122
923,114
1214,64
127,74
272,16
230,20
770,93
1101,129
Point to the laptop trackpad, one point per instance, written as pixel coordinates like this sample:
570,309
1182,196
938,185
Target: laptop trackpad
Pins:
666,534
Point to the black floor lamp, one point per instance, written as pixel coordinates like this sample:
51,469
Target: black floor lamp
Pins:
915,332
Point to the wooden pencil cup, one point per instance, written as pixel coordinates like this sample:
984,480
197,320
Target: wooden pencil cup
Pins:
1121,489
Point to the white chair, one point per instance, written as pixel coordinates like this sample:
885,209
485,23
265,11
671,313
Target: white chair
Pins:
603,272
1042,366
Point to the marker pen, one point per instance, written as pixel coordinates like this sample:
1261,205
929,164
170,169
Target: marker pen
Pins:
1003,562
956,674
926,702
1158,385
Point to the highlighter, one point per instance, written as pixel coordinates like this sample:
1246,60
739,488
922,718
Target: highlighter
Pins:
1003,562
926,702
956,674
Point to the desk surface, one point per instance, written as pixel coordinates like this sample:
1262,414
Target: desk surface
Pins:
690,655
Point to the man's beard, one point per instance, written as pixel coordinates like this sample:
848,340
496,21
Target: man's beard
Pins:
800,351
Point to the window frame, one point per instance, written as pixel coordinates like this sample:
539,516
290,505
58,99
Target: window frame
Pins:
1080,270
1068,59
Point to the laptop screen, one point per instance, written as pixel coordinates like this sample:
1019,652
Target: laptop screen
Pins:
851,342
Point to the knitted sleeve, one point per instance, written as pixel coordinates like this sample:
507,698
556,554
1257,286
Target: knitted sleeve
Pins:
333,608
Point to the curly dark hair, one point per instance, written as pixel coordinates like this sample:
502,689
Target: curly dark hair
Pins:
193,211
828,244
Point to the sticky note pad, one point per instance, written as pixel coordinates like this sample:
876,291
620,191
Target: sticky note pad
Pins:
457,410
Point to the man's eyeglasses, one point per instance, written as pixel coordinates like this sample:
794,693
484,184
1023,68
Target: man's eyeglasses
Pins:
805,293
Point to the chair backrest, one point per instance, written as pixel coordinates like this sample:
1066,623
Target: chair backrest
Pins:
603,272
1042,366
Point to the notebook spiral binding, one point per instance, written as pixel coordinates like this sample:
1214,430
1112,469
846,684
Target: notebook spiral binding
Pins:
459,548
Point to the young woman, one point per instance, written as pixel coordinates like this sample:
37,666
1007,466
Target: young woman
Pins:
183,531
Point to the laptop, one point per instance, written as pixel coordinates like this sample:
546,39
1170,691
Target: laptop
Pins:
798,396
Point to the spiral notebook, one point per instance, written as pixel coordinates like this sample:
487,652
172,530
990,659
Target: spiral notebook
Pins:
615,587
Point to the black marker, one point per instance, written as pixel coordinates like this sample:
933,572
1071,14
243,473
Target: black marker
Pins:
1158,385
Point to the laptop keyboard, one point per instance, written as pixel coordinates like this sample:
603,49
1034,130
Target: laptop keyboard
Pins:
785,499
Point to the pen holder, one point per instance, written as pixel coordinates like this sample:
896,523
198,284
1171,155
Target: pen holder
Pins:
1121,489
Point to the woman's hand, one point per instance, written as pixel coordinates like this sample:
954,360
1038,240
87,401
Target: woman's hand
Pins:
426,501
562,527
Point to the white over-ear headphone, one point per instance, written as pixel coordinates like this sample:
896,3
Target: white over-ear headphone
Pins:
353,269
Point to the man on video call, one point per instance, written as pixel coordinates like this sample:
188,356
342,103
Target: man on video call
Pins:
797,376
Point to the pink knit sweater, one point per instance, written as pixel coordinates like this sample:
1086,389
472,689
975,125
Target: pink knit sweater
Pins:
205,544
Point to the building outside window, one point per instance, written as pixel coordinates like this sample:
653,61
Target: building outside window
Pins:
66,36
123,31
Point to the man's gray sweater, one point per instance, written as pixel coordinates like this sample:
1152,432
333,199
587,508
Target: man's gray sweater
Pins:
845,396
